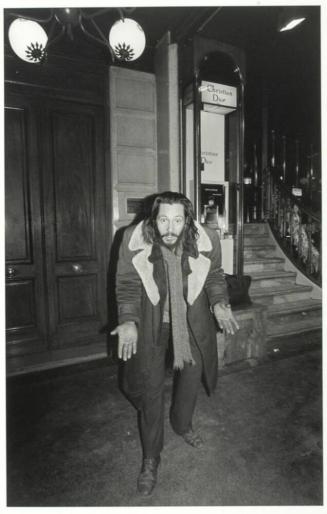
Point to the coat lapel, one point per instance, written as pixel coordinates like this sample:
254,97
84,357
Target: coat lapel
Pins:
199,267
142,264
145,269
196,279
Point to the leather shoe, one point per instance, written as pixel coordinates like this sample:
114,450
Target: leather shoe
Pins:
193,439
148,476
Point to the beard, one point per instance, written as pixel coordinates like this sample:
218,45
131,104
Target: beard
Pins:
171,245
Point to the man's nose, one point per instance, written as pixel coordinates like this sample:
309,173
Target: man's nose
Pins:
170,226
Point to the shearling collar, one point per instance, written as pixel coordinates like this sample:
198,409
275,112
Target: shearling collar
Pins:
137,241
197,268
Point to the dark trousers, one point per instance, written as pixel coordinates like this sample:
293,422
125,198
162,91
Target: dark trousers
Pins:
186,386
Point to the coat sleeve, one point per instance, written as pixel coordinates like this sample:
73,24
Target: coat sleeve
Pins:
215,284
128,284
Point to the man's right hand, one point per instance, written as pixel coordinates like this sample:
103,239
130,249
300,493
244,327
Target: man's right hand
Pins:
127,339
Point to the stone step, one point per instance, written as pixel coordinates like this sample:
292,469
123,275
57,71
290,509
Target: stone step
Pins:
272,277
290,309
290,328
293,312
255,265
260,251
255,228
257,240
305,307
291,344
280,294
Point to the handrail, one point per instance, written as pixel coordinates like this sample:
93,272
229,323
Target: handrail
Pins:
296,227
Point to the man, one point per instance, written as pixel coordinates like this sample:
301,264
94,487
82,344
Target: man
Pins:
169,285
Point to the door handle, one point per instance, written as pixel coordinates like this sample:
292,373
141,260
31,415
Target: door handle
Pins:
11,272
78,268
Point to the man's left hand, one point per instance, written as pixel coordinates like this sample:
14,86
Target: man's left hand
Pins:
224,316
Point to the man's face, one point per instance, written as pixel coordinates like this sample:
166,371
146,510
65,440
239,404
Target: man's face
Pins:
170,222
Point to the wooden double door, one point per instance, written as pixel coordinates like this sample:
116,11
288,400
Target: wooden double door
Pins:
57,228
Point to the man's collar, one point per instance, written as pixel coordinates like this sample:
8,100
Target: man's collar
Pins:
137,241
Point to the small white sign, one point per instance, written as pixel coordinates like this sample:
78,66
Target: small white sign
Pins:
218,94
296,191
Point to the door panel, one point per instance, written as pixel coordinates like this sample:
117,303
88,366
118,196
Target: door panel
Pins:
25,298
77,298
75,222
74,185
18,226
21,299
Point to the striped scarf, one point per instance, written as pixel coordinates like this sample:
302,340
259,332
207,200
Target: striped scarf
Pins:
181,340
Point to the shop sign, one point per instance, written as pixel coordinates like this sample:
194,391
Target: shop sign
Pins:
218,94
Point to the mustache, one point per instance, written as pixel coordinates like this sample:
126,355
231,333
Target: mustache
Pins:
170,234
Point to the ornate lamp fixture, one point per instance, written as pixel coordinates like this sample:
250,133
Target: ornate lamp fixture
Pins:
30,41
127,39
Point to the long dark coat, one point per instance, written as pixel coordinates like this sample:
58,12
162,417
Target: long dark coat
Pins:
141,289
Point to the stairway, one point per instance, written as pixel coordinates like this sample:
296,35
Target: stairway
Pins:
291,310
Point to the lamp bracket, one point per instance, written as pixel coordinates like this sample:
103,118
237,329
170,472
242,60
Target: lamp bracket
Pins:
102,39
32,18
52,39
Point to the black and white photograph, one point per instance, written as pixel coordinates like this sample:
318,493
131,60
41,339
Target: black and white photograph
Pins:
163,235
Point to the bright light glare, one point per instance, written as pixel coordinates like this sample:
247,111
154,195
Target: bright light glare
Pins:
291,24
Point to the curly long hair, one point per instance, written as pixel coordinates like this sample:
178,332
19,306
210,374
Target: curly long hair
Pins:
190,232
